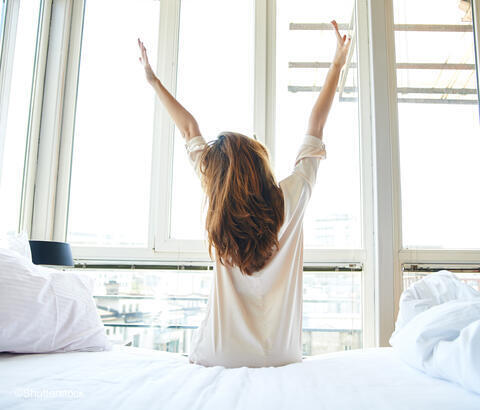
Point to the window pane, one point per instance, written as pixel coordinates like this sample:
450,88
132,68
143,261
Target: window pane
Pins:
110,186
438,124
470,278
215,83
333,215
158,309
13,143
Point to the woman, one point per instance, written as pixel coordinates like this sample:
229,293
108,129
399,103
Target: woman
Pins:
254,226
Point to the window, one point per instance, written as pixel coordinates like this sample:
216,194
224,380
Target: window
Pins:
333,215
131,193
113,138
439,130
159,308
18,64
215,64
111,166
215,60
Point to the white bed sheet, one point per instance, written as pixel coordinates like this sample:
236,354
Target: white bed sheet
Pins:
131,378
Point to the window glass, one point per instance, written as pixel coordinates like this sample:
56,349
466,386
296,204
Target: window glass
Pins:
215,83
471,278
305,47
111,165
158,309
13,141
439,128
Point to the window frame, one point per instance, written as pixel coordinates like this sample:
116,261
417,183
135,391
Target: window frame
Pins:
420,255
10,12
476,34
160,246
8,38
382,255
392,256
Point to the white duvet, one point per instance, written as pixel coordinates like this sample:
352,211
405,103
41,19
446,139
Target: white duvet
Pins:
127,378
438,329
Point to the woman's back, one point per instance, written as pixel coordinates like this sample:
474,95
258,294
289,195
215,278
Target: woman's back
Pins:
256,320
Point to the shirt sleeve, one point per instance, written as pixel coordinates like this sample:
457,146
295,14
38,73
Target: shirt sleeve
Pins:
195,147
311,151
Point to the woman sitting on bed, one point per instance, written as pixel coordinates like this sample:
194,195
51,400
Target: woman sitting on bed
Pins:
254,225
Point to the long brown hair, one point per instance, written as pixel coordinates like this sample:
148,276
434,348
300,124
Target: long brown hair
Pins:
245,203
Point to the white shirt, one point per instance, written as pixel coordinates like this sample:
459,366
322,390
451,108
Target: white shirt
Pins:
256,321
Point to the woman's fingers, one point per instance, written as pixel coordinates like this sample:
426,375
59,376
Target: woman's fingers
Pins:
143,51
337,33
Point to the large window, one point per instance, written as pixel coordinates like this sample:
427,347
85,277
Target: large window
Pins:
439,131
215,60
255,67
111,165
213,69
305,47
18,62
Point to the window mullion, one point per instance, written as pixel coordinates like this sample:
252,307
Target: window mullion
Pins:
35,118
387,220
476,33
264,74
366,169
162,167
271,78
260,70
51,120
68,122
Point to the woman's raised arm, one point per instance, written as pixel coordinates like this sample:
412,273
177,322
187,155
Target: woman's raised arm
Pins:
320,110
185,121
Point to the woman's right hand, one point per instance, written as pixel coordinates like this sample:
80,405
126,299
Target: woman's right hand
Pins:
149,74
343,44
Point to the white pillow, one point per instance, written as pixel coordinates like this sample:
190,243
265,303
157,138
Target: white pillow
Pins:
44,310
17,242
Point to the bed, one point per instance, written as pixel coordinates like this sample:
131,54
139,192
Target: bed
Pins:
133,378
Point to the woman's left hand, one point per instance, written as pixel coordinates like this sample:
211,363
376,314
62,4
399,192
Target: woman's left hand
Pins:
343,44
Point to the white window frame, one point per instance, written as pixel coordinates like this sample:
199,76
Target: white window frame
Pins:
35,109
391,255
160,246
382,255
8,37
441,256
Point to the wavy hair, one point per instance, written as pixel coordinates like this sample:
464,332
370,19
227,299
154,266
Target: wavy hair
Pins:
245,203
